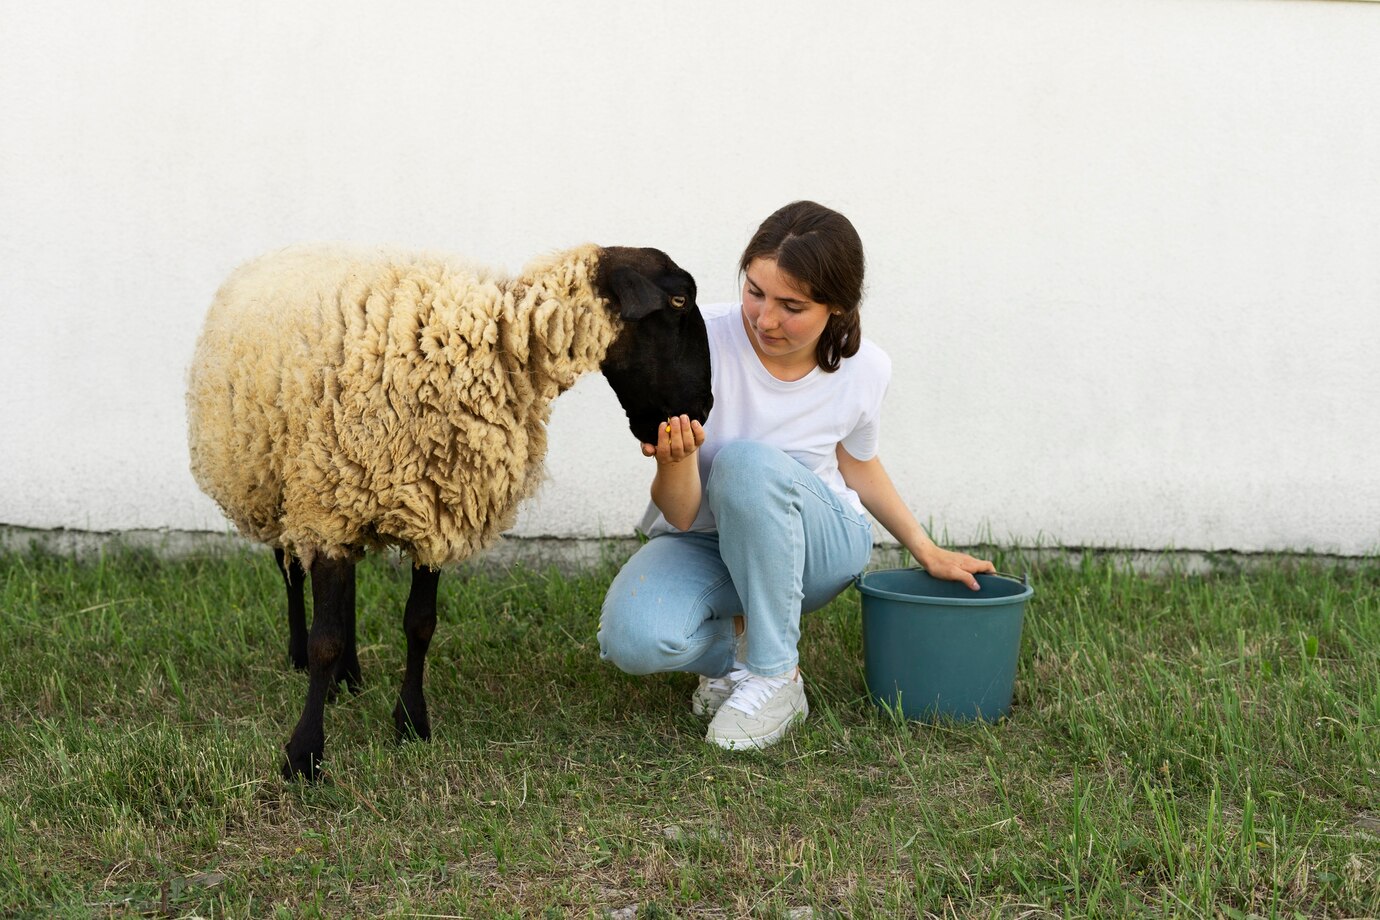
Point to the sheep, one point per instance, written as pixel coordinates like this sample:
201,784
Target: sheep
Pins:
344,399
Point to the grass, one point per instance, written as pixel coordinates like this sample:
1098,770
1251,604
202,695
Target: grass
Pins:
1180,746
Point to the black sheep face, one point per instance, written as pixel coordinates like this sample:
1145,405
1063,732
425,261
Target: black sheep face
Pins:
659,365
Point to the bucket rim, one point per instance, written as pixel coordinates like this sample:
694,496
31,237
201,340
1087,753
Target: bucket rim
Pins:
860,582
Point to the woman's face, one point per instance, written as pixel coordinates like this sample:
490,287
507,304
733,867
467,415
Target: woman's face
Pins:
782,321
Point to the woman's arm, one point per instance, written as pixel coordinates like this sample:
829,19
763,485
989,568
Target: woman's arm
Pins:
676,486
870,480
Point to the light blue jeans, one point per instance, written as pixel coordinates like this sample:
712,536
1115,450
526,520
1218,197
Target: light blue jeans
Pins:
786,544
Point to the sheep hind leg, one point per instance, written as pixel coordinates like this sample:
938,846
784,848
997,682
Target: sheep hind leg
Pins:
332,587
295,579
419,623
347,670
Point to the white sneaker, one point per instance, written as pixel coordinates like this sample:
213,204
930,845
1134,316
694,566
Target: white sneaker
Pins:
712,692
759,712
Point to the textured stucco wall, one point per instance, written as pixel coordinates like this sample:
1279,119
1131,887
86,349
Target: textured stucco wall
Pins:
1125,255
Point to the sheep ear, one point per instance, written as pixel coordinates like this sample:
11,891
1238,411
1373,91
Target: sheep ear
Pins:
637,297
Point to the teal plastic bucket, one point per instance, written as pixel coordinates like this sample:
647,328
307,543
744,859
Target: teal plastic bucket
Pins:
938,649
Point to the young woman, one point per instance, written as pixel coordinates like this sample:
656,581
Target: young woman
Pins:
758,516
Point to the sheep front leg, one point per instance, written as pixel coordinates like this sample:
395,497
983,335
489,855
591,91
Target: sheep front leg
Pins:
347,668
419,623
332,590
295,578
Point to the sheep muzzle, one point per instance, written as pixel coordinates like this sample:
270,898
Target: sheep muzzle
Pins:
659,364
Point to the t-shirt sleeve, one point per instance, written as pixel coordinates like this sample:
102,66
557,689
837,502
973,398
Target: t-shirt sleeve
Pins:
862,442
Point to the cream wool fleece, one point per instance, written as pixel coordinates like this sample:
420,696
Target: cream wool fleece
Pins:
341,399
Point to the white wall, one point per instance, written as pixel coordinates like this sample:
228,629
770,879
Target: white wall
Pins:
1125,254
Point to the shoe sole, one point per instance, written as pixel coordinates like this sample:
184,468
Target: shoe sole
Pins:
762,741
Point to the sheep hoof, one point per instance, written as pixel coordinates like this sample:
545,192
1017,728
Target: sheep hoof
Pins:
302,764
348,673
352,680
411,722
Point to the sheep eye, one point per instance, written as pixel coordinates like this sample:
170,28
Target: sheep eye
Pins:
678,301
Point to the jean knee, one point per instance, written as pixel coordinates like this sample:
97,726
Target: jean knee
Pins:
747,466
625,642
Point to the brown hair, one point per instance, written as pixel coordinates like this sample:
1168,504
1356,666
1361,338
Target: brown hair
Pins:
819,248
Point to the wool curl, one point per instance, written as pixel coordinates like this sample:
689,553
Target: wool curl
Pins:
341,399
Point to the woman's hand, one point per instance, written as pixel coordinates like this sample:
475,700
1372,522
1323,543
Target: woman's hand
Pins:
676,486
676,440
948,565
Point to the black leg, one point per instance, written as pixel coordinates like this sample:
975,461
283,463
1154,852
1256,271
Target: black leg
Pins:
419,622
295,578
332,589
347,668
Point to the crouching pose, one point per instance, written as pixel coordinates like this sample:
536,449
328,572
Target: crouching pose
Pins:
758,515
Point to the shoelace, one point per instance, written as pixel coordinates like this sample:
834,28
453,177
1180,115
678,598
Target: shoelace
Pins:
715,684
753,691
728,681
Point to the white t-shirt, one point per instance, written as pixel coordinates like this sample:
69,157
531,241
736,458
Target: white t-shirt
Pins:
807,418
